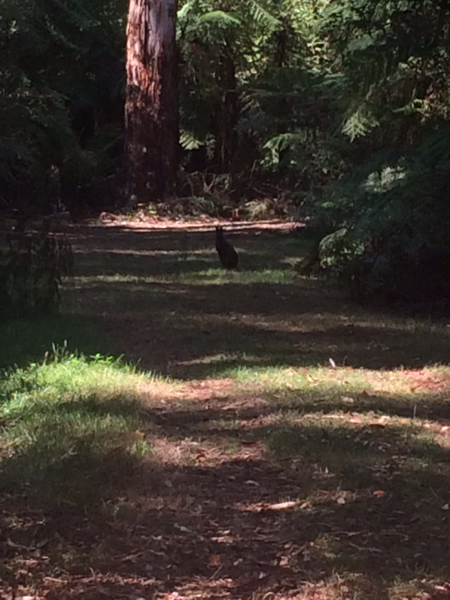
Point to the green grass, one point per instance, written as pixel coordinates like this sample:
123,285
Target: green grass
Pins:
69,428
200,277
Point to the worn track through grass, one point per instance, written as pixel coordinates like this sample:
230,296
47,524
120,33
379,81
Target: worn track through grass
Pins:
271,471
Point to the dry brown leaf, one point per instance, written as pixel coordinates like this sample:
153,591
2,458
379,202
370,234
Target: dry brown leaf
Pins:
215,560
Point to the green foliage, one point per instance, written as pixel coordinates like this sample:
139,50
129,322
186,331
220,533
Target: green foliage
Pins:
274,50
31,271
385,215
393,55
391,218
61,84
343,102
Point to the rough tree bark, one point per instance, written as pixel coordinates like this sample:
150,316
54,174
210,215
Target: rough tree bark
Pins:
227,113
151,107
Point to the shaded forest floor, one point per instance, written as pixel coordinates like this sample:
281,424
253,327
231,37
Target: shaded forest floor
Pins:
275,442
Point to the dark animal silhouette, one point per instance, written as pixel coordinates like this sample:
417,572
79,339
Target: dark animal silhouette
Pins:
227,254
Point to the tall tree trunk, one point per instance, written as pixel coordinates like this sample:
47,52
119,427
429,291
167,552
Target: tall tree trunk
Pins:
151,107
227,113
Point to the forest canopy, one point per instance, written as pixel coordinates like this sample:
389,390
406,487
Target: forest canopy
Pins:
341,106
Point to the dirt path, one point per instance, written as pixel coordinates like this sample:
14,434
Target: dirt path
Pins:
274,472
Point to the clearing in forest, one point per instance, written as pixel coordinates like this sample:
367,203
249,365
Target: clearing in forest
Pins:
272,441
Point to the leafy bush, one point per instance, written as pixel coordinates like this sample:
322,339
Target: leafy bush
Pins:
402,270
389,221
62,84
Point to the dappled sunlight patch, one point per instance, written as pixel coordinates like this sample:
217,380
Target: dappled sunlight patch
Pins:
204,452
216,387
419,589
186,223
441,432
151,390
175,452
336,587
132,252
90,280
329,381
242,366
76,378
429,380
202,587
96,585
217,359
316,499
211,276
217,276
352,436
293,458
334,381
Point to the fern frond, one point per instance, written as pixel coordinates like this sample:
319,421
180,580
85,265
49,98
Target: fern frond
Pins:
219,18
359,123
189,141
261,15
285,141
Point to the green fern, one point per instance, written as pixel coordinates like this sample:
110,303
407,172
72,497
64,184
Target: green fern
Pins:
219,18
189,141
261,15
360,122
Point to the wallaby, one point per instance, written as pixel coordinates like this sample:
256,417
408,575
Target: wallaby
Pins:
227,254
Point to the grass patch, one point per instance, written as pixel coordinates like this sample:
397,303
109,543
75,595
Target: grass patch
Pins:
200,276
70,428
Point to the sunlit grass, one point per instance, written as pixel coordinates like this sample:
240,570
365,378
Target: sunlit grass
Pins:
241,277
71,426
324,378
201,277
287,377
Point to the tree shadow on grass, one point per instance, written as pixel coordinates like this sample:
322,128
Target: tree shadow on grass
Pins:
195,331
213,511
427,406
367,500
243,501
73,451
27,340
164,253
167,306
194,326
195,347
